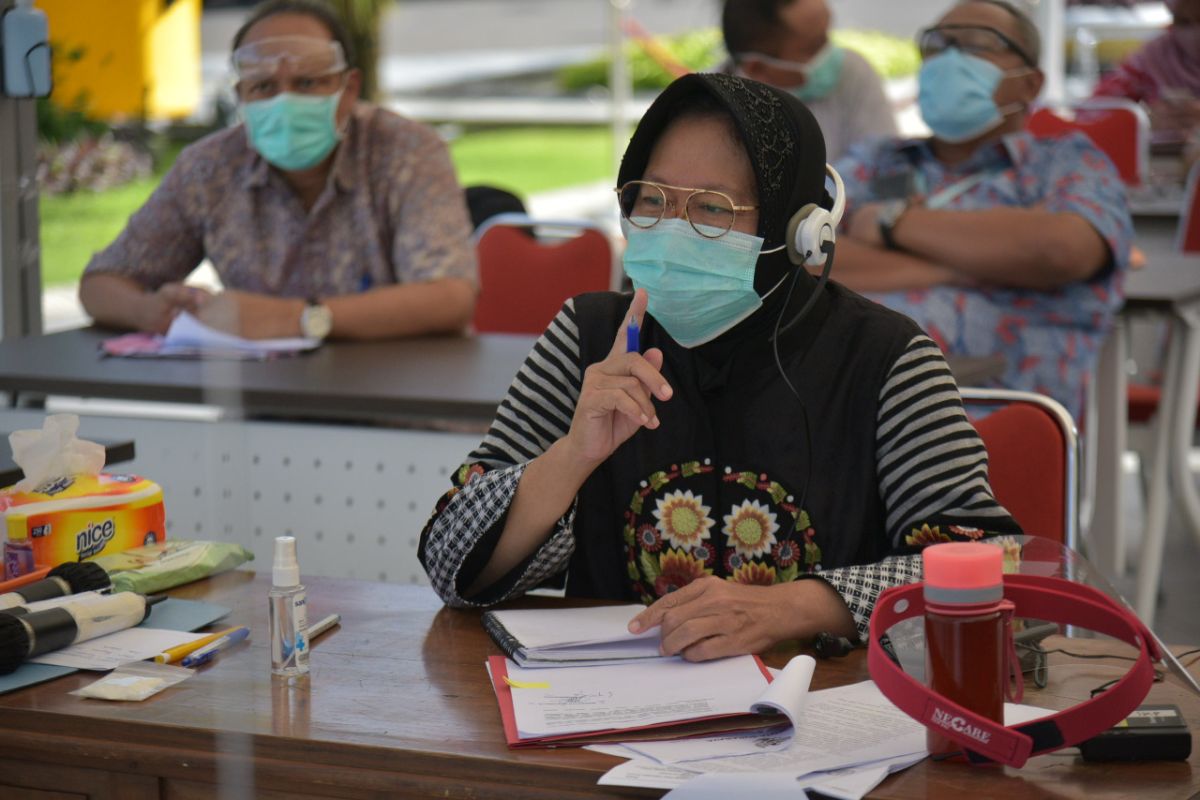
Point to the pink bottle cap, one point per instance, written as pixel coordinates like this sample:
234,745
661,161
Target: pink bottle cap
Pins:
963,565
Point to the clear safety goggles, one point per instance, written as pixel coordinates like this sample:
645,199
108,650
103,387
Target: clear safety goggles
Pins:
295,55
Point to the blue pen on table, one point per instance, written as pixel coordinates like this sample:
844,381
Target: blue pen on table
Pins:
633,336
209,651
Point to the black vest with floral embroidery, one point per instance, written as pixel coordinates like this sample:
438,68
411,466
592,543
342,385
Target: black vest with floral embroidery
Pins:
717,488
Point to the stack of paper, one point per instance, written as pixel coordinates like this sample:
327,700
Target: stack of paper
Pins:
571,636
188,337
848,740
653,699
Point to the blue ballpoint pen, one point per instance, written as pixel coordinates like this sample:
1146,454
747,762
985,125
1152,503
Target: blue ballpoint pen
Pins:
206,653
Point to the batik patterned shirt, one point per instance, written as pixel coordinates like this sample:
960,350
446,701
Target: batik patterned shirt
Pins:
392,212
1051,339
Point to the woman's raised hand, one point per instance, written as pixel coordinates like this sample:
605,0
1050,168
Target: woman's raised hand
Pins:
618,394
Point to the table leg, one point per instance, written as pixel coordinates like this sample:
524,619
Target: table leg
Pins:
1158,500
1105,539
1182,482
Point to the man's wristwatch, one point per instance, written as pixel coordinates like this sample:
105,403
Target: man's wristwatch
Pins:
888,215
316,320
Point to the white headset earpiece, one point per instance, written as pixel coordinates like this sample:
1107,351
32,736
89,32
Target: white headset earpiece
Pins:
811,228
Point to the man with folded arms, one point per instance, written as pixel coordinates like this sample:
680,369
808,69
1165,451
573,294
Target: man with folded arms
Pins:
991,240
323,216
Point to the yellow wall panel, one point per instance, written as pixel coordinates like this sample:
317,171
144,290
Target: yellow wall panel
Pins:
135,57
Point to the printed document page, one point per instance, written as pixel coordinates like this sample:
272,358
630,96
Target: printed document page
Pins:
188,333
567,700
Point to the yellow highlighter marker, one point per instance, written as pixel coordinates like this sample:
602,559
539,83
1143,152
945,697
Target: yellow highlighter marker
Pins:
525,684
178,653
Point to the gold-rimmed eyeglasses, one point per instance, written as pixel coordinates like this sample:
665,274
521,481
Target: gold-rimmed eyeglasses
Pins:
710,213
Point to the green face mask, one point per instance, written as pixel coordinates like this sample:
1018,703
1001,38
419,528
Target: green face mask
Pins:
821,74
293,131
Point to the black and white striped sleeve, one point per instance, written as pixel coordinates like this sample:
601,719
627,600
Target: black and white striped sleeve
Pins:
536,411
932,471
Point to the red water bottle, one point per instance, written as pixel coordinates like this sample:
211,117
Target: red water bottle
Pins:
967,632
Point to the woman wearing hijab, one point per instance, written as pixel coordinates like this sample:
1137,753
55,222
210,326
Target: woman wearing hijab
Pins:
752,470
1164,74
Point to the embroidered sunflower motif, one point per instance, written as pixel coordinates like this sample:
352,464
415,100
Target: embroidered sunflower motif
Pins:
786,553
926,536
968,533
750,528
648,538
683,519
754,573
677,569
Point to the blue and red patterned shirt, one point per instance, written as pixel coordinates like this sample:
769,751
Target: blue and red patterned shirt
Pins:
1051,339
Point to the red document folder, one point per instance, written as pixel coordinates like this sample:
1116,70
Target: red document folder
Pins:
699,726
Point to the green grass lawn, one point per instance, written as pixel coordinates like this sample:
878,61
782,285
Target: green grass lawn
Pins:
523,160
73,226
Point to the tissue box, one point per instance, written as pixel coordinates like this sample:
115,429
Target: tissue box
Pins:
82,516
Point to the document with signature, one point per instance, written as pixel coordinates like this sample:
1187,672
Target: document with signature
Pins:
655,699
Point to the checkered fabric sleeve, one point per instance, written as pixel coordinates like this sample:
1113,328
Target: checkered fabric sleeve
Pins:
467,522
861,585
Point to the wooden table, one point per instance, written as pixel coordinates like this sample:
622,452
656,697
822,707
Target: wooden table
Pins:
398,705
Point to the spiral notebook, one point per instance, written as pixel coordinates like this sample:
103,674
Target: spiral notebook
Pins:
578,637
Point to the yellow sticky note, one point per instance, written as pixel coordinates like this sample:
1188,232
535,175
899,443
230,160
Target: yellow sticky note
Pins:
526,684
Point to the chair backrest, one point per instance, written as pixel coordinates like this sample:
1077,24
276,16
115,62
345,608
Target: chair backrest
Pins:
1188,240
1118,127
523,282
1033,460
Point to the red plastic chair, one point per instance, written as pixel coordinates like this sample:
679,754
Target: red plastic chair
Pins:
523,281
1118,127
1033,460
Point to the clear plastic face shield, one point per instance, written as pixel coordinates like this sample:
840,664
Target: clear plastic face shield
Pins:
297,64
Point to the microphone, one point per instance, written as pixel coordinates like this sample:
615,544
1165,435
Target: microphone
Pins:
65,579
26,635
826,645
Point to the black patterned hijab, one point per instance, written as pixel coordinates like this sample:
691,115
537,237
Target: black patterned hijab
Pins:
781,137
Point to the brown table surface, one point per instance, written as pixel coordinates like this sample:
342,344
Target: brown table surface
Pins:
398,704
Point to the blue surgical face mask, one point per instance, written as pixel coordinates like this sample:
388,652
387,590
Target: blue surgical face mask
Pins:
293,131
821,74
955,95
698,287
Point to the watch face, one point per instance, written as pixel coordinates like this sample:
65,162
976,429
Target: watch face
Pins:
316,321
891,211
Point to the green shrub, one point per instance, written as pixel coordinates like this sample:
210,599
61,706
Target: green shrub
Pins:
892,57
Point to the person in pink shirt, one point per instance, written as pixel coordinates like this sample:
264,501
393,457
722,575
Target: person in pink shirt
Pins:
1165,75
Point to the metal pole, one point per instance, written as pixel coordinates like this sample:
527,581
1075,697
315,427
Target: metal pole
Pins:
20,253
1050,18
618,79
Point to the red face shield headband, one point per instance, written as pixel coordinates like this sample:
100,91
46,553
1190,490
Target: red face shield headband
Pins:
983,740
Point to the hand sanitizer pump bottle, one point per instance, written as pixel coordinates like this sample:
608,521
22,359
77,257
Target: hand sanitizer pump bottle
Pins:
288,612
